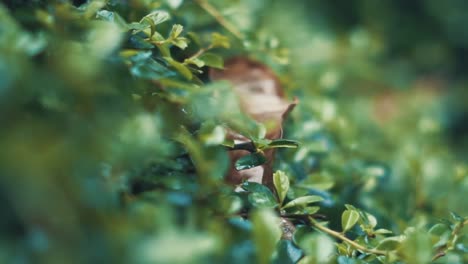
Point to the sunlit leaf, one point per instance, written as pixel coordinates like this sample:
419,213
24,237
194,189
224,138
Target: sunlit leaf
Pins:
283,143
212,60
390,243
281,182
303,201
218,40
348,219
157,17
176,30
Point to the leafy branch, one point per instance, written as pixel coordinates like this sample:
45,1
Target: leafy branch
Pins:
454,235
342,237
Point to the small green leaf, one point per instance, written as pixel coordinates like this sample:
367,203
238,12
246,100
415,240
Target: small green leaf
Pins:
199,63
439,229
281,182
389,243
283,143
348,219
175,31
156,17
212,60
310,210
382,231
250,161
323,185
180,42
350,207
212,136
218,40
137,26
369,221
303,201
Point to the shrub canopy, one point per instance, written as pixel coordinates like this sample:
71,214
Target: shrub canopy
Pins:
115,140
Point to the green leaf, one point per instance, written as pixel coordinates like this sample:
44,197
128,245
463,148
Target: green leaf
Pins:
389,243
212,60
137,26
260,195
250,161
156,17
180,42
382,231
348,219
303,201
439,229
350,207
309,210
262,199
281,182
197,62
368,221
176,30
283,143
218,40
324,185
212,136
254,187
266,233
181,68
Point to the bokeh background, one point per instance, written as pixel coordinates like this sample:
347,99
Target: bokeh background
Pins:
382,121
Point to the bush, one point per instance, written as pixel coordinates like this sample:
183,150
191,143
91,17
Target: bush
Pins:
117,136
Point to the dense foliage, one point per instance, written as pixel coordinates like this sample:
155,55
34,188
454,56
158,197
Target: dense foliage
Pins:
114,146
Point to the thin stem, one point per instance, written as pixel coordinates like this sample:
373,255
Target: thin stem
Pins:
200,52
438,255
345,239
219,17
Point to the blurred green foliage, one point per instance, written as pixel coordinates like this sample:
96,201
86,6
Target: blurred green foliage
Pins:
112,135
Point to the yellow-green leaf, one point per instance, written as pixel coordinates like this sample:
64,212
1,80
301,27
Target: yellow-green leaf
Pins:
348,219
303,201
212,60
281,182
